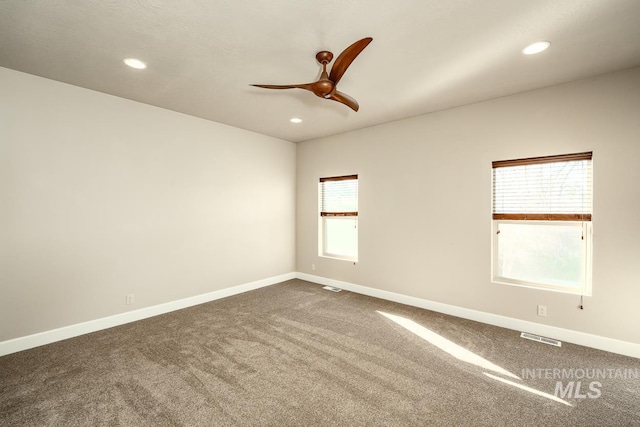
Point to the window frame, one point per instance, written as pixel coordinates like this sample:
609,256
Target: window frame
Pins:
326,254
586,258
325,216
550,218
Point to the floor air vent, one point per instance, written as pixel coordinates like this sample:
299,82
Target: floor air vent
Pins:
332,289
538,338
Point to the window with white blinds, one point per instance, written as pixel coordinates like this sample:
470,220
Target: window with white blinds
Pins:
542,212
339,196
552,188
339,217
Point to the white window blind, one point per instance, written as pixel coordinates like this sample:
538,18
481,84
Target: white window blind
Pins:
555,188
339,196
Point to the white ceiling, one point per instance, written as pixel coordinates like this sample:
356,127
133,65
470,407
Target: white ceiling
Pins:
426,55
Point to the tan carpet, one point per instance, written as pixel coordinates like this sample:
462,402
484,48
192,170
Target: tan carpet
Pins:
295,355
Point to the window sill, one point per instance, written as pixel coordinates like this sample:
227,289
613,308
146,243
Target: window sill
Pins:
540,287
339,258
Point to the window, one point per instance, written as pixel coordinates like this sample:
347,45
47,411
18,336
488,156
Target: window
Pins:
542,209
338,234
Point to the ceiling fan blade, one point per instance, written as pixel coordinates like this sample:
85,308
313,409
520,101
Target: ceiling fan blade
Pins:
345,99
346,58
306,86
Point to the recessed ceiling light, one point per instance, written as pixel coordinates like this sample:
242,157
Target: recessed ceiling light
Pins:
135,63
536,48
295,120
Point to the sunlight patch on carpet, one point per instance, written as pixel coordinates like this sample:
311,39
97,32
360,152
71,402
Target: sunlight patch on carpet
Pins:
529,389
444,344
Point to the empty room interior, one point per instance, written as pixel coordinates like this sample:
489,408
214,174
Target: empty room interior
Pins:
320,213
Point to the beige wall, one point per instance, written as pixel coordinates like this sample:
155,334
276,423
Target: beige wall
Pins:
101,197
425,193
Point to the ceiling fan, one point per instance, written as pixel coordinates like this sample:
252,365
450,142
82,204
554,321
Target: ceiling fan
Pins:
325,87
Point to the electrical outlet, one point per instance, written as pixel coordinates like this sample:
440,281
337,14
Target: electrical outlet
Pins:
542,310
130,299
313,267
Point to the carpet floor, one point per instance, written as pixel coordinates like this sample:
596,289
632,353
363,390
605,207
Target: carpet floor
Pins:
293,354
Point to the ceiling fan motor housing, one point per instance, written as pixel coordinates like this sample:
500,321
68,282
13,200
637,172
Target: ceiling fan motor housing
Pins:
323,88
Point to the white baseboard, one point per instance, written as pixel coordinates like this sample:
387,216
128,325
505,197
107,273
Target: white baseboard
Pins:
47,337
575,337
